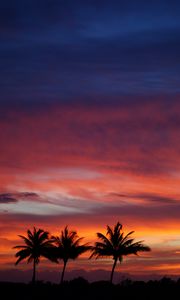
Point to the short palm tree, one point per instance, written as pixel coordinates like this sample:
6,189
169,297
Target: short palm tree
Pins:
68,247
36,244
116,245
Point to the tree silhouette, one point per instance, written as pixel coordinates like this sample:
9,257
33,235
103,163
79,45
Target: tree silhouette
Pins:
36,244
116,245
68,247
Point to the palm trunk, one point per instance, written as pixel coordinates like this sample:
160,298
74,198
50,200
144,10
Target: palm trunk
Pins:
63,271
113,268
34,272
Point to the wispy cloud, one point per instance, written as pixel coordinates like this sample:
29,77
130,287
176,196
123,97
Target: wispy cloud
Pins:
15,197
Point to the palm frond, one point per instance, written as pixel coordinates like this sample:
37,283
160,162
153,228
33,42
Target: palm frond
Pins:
68,245
126,236
104,239
77,242
37,243
21,247
22,254
117,245
26,240
127,242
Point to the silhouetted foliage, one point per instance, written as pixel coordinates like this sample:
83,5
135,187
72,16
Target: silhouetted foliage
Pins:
116,245
80,289
36,244
68,247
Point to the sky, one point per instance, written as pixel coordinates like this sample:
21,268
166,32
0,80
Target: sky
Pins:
90,126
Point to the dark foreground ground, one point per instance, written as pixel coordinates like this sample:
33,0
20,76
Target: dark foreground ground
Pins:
81,289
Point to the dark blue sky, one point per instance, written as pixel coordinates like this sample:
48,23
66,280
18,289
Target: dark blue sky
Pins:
86,51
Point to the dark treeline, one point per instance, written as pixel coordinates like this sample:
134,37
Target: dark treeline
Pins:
79,288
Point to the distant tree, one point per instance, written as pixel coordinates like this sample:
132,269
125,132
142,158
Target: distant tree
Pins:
68,247
116,245
36,244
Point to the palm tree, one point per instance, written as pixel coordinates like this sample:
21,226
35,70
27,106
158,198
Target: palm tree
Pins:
68,247
36,244
116,245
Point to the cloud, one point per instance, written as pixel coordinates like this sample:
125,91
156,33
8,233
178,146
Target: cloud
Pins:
157,199
50,203
130,214
137,213
148,198
140,138
15,197
7,198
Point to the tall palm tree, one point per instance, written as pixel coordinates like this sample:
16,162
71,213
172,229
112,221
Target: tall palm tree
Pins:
68,247
36,244
116,245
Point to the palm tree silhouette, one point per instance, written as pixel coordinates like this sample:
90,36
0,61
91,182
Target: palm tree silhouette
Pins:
116,245
36,244
68,247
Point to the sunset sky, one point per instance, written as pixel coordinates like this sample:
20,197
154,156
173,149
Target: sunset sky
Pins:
90,125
